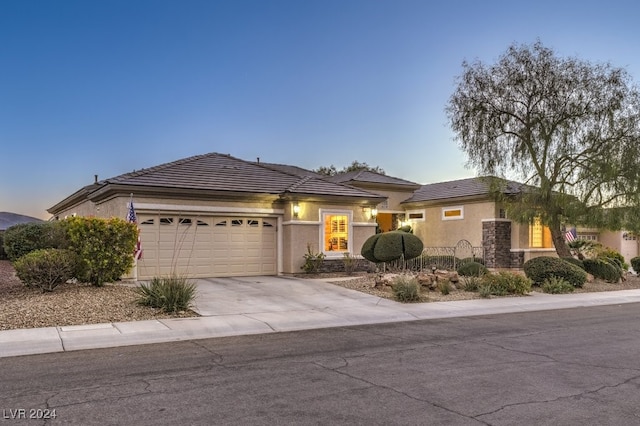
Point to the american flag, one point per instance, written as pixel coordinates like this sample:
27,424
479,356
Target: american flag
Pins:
132,218
571,235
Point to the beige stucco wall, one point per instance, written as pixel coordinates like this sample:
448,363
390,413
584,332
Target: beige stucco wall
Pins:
306,229
436,232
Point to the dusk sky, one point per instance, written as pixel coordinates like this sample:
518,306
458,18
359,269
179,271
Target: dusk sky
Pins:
105,87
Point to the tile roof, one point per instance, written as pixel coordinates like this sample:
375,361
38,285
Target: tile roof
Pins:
366,176
470,187
292,170
224,173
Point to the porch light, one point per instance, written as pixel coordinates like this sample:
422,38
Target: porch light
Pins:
296,210
374,213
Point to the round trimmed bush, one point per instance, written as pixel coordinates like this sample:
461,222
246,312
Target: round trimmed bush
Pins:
472,269
390,246
543,267
604,269
574,261
635,264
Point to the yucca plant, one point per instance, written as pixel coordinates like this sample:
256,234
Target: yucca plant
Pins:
172,294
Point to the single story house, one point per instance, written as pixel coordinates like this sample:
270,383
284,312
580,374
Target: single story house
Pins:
217,215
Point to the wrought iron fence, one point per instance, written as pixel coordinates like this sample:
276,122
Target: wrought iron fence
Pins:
448,258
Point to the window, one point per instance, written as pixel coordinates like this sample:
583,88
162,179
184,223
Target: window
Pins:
237,222
417,215
201,223
253,223
453,213
536,233
336,232
221,223
588,237
184,221
166,221
148,222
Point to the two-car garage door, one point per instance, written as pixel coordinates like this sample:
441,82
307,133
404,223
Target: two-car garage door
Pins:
206,246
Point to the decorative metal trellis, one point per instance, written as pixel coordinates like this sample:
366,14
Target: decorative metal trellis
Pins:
448,258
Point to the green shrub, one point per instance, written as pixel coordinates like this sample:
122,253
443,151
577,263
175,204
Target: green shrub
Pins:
312,261
579,263
614,255
471,283
445,287
46,268
555,285
604,269
105,247
635,264
504,283
472,269
539,269
3,254
171,294
484,291
406,289
390,246
27,237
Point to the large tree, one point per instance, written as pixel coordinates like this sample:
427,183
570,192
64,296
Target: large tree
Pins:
354,166
565,126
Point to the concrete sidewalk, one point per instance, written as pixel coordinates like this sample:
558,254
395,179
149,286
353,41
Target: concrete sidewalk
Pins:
255,305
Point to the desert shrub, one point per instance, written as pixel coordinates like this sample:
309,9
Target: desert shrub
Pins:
484,291
555,285
579,263
350,263
390,246
635,264
27,237
472,269
406,289
471,283
105,247
604,269
540,268
171,294
46,268
312,261
445,287
504,283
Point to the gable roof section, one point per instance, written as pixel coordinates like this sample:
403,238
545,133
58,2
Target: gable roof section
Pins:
367,176
219,174
471,187
292,170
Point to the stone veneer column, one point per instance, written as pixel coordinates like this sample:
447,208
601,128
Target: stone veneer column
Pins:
496,242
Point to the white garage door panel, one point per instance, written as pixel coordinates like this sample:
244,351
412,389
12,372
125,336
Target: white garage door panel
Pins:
206,246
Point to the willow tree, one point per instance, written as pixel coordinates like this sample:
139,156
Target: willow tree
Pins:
566,127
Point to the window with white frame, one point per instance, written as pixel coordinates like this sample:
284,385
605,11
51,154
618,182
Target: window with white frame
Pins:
587,237
453,213
336,230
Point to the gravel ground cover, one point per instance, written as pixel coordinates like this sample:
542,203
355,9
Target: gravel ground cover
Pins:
69,304
78,304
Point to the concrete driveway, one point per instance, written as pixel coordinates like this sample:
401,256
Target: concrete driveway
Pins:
273,299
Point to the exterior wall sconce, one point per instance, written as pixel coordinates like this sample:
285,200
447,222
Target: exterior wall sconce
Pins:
374,213
296,210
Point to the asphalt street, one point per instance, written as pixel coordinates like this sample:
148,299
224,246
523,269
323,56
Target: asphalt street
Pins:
565,367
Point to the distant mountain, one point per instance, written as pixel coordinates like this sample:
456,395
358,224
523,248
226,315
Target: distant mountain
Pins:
7,219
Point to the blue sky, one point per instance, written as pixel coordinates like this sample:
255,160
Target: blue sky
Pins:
106,87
